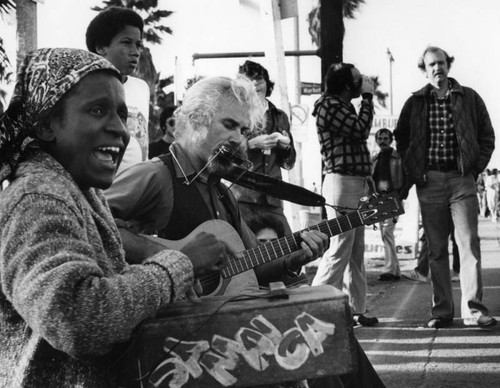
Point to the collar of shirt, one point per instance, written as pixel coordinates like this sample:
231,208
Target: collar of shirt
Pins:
448,92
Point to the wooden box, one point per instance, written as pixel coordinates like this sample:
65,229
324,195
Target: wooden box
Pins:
244,341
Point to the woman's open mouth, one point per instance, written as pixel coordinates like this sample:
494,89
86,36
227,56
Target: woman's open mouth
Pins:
107,154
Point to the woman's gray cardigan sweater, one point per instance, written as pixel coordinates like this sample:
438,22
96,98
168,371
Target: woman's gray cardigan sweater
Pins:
68,298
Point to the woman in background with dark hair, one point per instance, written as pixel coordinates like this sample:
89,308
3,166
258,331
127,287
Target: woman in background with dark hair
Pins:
269,149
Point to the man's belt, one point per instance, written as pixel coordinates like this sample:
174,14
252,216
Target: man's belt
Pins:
443,166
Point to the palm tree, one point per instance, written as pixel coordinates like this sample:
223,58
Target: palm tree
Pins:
349,9
380,96
6,6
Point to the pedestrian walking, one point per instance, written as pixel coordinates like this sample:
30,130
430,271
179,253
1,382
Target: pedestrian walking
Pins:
445,137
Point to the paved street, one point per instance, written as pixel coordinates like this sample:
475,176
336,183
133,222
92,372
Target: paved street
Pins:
407,354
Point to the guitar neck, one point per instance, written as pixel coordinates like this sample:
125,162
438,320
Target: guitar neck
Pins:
274,249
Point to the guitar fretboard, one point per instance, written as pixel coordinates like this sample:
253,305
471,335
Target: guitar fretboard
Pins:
271,250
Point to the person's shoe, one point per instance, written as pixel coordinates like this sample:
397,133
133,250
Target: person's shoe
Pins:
484,321
480,316
455,277
439,322
360,319
388,277
414,276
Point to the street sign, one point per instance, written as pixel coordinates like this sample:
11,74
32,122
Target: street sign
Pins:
308,88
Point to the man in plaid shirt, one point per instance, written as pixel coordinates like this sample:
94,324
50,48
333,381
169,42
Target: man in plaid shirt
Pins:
445,137
346,164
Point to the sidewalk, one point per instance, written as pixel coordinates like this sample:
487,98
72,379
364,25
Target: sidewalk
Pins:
407,354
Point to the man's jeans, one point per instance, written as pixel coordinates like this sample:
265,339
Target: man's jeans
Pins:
342,265
391,263
445,193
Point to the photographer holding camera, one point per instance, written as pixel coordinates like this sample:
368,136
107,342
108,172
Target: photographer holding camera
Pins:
346,166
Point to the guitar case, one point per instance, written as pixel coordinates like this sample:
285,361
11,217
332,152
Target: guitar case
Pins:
244,340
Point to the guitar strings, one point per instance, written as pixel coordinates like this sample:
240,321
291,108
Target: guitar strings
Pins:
275,249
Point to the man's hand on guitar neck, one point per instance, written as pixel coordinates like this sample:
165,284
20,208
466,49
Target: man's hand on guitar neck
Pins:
313,245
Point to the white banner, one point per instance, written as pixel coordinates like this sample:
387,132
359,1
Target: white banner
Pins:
406,233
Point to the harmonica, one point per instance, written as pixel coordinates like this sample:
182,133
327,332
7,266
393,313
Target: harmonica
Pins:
232,157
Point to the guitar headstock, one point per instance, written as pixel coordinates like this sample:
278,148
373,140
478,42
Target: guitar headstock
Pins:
380,207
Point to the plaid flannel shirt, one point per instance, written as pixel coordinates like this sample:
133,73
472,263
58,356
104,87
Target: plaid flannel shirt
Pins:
443,140
342,135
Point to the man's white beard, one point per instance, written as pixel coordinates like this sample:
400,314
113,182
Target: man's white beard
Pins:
221,165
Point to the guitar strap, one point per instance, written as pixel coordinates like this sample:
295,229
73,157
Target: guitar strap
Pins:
274,187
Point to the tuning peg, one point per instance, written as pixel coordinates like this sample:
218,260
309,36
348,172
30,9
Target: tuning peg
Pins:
375,227
395,220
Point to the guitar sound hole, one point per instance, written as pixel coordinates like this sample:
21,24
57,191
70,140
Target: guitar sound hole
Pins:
209,282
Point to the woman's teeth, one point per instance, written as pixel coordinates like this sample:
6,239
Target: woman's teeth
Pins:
107,154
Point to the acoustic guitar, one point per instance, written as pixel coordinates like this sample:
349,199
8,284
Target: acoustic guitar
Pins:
373,209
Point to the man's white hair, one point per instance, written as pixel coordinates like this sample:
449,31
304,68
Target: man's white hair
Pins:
203,99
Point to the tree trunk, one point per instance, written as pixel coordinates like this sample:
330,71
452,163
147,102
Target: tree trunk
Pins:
332,34
26,28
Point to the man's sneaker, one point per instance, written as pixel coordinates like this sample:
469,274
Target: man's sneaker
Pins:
360,319
480,316
483,321
414,276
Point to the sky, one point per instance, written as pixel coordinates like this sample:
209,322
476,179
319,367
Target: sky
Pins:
466,29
